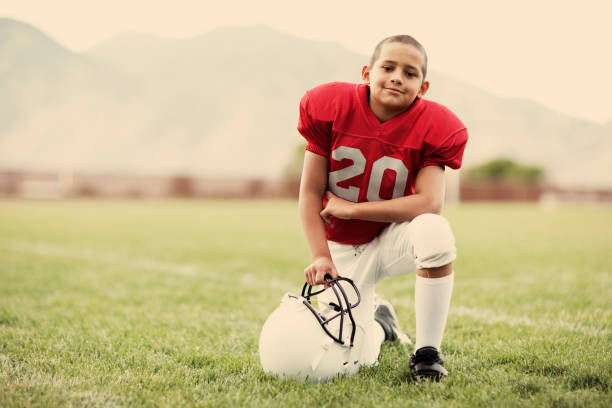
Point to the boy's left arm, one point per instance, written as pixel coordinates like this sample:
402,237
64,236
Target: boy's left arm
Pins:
428,197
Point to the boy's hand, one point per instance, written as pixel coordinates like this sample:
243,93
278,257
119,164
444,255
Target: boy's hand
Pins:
336,207
316,271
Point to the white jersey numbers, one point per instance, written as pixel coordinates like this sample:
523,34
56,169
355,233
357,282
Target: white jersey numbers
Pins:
358,167
378,170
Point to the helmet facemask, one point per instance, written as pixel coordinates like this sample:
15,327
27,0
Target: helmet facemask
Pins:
343,307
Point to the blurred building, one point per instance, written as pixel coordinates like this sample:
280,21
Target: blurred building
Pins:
63,184
66,184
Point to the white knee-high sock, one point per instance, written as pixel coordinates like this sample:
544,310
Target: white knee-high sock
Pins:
431,302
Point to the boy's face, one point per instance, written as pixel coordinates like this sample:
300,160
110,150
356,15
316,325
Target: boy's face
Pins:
395,79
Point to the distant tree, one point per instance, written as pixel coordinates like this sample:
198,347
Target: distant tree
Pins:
505,170
293,168
292,172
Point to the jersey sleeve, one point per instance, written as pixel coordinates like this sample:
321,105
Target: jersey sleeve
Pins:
316,131
445,144
448,153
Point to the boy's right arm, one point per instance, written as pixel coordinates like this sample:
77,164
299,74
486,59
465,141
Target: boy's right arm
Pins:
312,189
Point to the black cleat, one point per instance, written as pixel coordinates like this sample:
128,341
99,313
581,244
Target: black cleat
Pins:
385,315
427,365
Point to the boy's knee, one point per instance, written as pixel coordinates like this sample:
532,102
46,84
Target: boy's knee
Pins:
432,241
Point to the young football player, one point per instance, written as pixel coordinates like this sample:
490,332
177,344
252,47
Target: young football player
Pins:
372,189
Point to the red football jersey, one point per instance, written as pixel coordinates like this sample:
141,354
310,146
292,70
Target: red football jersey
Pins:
369,160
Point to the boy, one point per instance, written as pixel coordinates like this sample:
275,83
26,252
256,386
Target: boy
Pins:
372,190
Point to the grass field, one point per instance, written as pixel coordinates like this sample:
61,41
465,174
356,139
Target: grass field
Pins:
160,303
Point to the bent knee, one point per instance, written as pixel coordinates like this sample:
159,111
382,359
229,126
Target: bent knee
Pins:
432,241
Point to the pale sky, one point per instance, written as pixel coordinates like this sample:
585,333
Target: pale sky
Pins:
557,53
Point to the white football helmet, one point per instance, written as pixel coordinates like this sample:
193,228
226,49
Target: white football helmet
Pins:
298,341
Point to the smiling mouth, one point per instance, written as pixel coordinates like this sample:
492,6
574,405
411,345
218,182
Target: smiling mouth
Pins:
393,90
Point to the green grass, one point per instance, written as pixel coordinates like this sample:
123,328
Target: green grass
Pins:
160,303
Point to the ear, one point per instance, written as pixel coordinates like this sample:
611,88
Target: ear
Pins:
365,74
424,88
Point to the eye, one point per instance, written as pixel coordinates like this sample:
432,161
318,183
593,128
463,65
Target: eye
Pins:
387,68
410,74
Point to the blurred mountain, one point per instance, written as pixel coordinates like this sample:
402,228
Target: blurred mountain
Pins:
226,103
574,152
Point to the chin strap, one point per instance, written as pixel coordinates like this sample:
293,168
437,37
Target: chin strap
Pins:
341,296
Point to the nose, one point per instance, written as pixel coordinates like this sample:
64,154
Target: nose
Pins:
396,79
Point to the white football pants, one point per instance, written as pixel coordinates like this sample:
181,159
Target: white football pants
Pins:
425,242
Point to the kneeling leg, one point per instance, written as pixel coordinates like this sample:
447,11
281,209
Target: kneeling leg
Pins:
434,250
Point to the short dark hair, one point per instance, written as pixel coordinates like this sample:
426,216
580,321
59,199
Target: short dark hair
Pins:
402,38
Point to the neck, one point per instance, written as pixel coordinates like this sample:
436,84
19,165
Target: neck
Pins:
383,114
